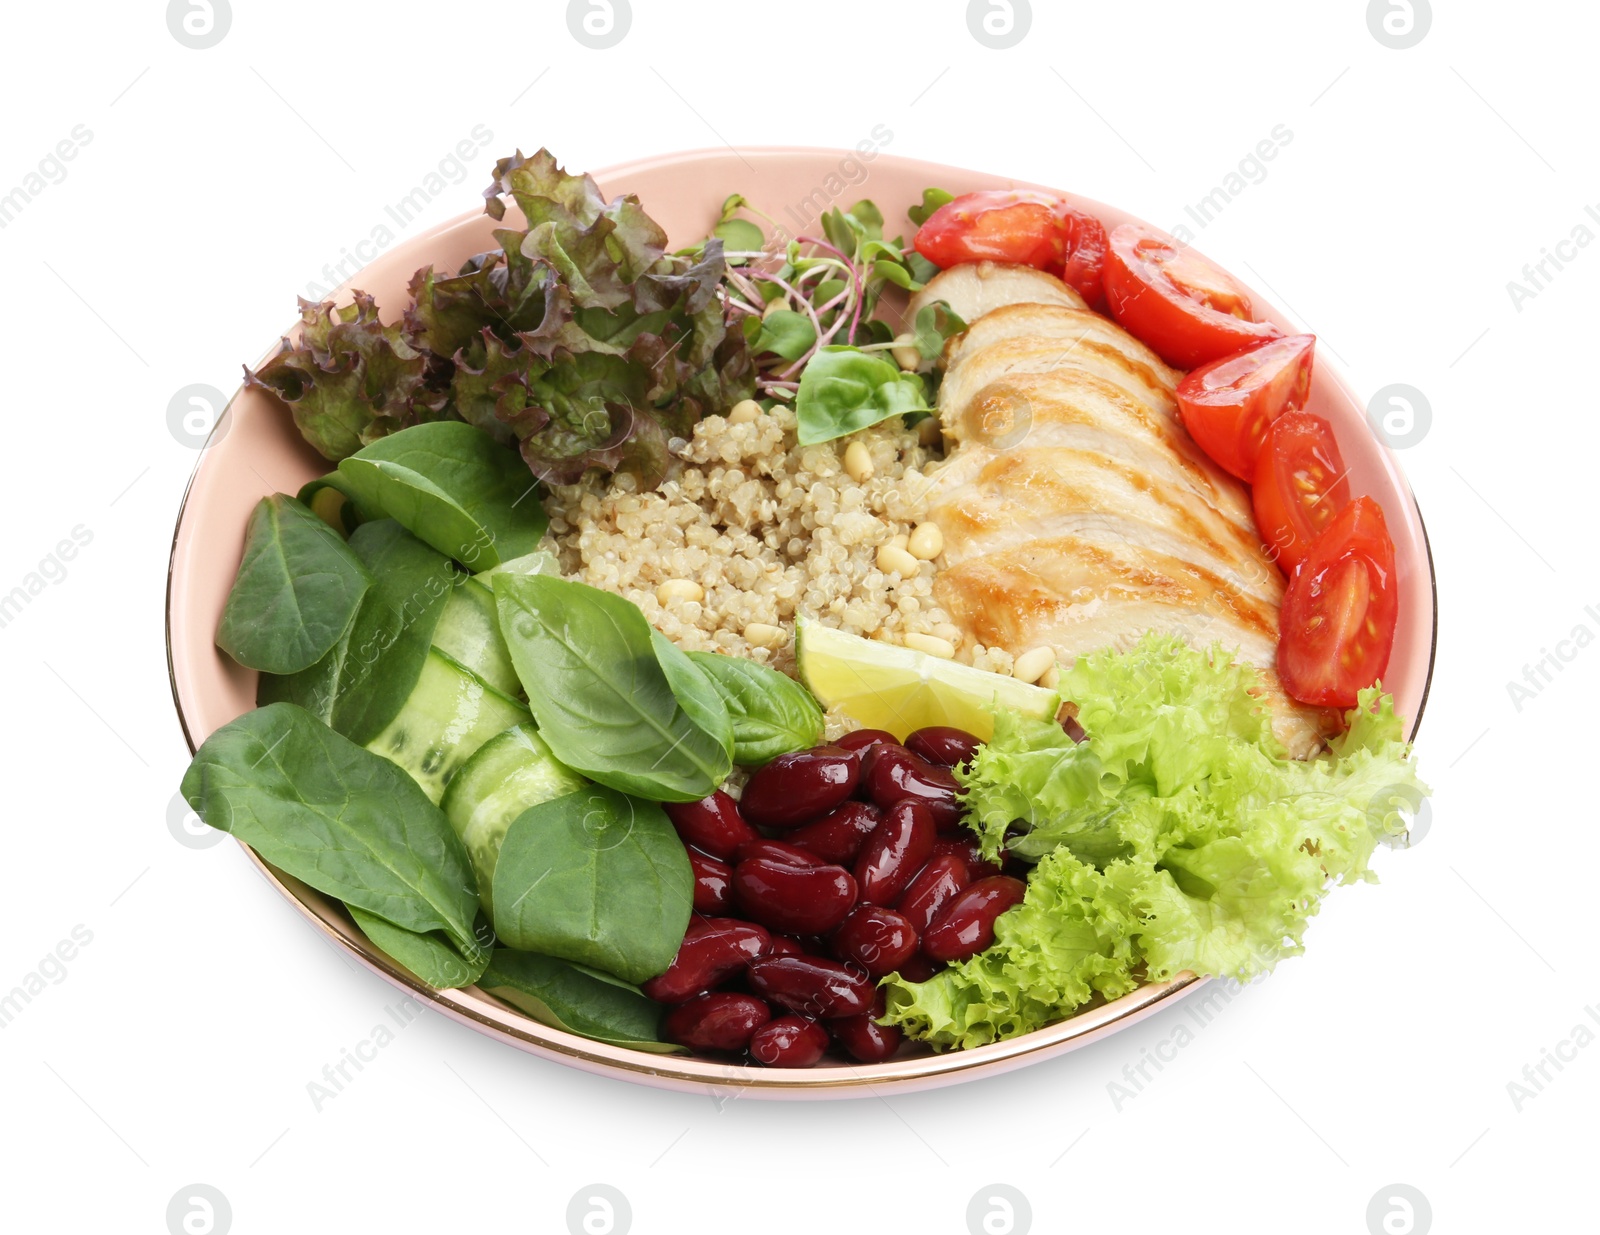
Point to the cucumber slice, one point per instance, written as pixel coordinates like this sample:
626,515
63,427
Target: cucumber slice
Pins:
449,714
509,773
469,633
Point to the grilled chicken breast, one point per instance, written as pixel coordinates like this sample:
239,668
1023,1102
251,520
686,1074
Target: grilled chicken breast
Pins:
978,287
1077,513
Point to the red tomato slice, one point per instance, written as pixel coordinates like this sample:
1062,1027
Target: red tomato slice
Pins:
1084,254
1300,486
1227,405
1187,310
1340,610
1011,225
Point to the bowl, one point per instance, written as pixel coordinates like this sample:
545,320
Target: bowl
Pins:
255,450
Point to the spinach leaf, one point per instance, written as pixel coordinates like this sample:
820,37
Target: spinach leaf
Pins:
772,713
844,389
431,956
694,691
340,818
603,701
361,684
932,199
576,999
296,593
453,486
598,878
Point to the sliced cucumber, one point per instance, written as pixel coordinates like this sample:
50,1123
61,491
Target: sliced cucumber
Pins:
509,773
469,634
450,713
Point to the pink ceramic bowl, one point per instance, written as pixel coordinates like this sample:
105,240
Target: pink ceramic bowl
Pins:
255,451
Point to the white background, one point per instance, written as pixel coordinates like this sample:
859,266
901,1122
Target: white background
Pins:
218,183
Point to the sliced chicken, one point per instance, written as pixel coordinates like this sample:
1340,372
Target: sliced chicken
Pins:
1077,513
975,289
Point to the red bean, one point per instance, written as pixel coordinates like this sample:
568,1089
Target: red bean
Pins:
799,787
776,851
966,926
892,774
812,985
877,939
943,745
786,945
789,1042
797,900
897,849
863,738
705,958
970,853
713,883
838,837
720,1021
918,969
865,1039
1074,730
932,889
712,825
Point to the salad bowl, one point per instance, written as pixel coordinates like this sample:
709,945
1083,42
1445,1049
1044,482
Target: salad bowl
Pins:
254,450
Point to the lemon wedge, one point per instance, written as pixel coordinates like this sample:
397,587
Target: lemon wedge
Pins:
882,686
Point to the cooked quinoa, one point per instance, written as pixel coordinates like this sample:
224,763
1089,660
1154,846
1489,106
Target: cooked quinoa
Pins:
751,529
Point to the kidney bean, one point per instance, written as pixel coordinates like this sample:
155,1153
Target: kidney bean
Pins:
966,926
863,738
713,883
785,945
866,1040
723,947
797,900
798,787
897,849
776,851
838,837
812,984
919,969
712,825
892,774
877,939
932,889
720,1021
969,852
789,1042
943,745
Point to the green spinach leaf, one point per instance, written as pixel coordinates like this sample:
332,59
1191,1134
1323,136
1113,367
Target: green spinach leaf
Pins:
694,691
576,999
296,593
772,713
453,486
597,688
844,389
340,818
431,956
598,878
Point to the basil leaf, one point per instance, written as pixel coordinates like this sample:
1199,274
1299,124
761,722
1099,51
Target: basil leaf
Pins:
296,593
453,486
598,878
603,701
694,691
573,998
772,713
340,818
932,199
844,389
360,686
431,956
783,332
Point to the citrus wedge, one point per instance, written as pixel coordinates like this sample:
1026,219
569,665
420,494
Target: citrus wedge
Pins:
883,686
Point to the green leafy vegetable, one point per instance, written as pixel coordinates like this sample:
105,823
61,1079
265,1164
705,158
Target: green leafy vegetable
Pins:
602,698
454,487
297,591
340,818
1177,836
597,878
844,389
936,325
932,199
576,999
432,956
772,713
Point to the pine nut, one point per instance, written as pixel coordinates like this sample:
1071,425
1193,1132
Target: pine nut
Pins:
926,542
899,542
906,353
764,635
1051,678
857,463
932,645
929,432
744,412
1033,664
893,560
679,589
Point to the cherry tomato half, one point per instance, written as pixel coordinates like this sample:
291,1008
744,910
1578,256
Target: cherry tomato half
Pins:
1227,405
1299,486
1340,610
1083,263
1175,301
1020,226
